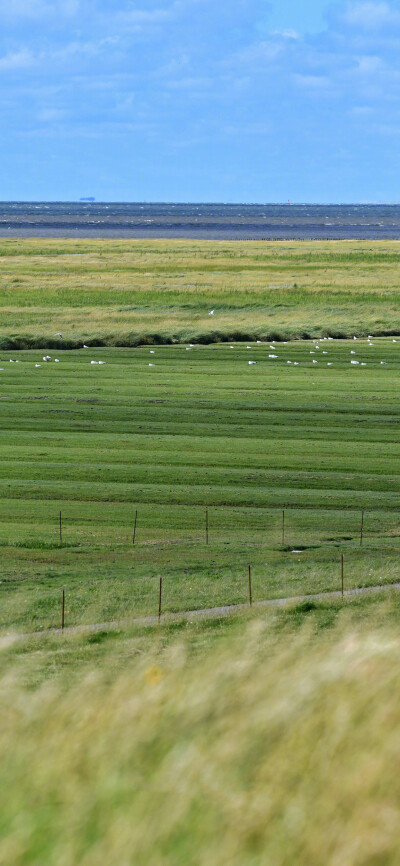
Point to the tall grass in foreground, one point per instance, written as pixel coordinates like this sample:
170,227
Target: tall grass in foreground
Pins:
278,746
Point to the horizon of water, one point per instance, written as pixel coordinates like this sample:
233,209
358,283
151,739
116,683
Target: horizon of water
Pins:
207,221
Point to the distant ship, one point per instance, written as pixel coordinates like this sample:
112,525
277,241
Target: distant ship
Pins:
89,198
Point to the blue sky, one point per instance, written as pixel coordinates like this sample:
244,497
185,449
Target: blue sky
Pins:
200,100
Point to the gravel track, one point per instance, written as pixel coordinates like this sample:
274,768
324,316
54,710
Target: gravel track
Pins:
216,612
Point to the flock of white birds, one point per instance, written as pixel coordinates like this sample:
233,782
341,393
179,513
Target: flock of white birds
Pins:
271,354
316,343
317,347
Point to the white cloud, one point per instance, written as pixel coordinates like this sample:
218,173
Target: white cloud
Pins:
361,111
370,15
30,9
16,60
313,82
142,18
369,65
286,34
258,52
49,115
191,83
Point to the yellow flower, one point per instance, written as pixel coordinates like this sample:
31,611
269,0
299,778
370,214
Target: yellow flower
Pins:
153,675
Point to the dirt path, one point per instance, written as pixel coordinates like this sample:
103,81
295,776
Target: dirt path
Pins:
217,612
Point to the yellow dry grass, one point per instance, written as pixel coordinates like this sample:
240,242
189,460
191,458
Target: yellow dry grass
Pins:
119,289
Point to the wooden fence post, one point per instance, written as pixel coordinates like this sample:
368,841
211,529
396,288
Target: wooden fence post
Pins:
159,600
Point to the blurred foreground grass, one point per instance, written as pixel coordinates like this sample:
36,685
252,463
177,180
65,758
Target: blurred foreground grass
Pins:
267,739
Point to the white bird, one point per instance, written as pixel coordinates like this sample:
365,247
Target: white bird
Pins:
329,364
59,335
187,349
252,362
296,363
151,351
383,362
354,362
85,347
94,362
151,365
288,362
363,364
37,365
272,356
101,362
46,358
394,341
248,347
352,352
312,352
12,361
56,360
314,361
211,313
272,347
231,347
354,338
324,352
260,341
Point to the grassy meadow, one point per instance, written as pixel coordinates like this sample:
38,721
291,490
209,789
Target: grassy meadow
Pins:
266,737
199,429
130,292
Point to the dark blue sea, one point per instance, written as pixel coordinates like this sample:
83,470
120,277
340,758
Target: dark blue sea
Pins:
204,221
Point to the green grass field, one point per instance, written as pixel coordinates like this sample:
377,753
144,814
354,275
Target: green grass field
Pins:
267,737
199,429
131,292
